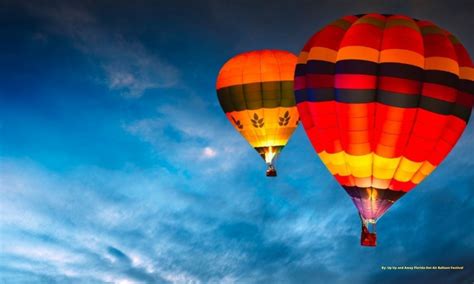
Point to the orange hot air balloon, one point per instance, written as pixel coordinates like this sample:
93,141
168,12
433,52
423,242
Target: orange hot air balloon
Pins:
255,90
383,100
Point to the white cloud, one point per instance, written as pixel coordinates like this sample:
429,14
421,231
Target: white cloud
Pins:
209,153
78,215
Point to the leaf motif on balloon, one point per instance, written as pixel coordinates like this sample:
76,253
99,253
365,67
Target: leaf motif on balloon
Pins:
256,121
237,123
283,121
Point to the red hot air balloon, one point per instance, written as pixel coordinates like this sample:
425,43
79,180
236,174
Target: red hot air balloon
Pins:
383,100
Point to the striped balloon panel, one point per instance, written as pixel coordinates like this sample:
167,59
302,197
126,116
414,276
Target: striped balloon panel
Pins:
255,90
383,99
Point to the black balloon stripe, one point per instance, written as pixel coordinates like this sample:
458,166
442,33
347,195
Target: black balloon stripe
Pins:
355,96
314,95
300,70
436,106
397,100
356,67
395,70
256,95
320,67
383,97
466,86
402,71
442,78
462,111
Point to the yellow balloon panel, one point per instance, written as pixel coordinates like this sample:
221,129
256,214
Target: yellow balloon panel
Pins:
379,170
267,126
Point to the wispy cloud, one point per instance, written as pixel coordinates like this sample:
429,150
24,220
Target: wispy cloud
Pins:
129,67
73,233
197,137
145,227
156,226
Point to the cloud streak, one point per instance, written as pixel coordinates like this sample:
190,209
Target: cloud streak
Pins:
129,67
155,226
198,138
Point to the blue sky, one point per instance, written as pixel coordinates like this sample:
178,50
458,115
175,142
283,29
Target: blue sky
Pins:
117,164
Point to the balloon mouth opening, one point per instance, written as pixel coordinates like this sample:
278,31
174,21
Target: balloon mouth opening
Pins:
270,154
368,236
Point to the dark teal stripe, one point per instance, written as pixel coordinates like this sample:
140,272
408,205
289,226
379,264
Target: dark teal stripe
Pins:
256,95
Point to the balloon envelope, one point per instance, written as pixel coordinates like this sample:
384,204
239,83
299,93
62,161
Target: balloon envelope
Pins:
255,90
383,99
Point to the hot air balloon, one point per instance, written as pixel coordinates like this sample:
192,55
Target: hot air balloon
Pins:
383,100
255,90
